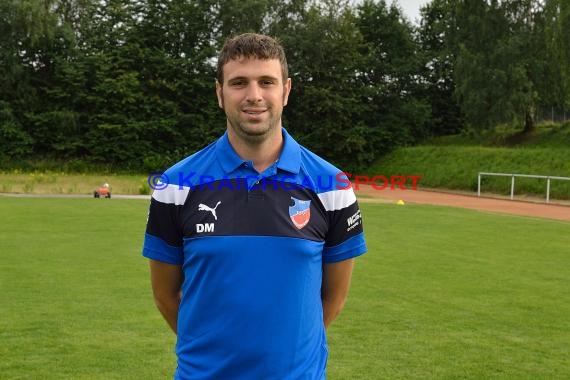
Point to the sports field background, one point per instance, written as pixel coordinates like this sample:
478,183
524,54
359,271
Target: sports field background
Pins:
444,293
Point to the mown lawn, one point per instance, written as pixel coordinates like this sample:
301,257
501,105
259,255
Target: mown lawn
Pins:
448,293
50,182
444,293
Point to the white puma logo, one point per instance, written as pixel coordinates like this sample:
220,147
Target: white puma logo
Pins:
203,207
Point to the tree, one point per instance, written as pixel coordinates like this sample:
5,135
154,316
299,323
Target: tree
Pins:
131,82
438,49
14,141
497,61
34,43
327,103
555,89
14,87
390,76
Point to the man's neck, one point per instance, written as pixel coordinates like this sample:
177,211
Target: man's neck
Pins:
262,154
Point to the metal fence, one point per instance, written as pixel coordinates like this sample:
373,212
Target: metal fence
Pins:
513,176
553,114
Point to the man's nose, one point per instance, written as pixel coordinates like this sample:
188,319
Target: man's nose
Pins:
253,93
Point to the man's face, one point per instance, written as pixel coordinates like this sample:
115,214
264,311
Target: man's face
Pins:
253,96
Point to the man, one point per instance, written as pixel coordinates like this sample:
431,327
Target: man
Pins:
251,244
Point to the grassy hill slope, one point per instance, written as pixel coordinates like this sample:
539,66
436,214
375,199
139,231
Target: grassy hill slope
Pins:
453,162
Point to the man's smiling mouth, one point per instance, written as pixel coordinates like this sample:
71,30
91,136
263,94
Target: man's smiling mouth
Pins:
250,111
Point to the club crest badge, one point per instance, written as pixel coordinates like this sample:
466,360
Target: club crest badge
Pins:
300,212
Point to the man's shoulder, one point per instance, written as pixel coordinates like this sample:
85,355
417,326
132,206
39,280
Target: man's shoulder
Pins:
315,164
325,176
199,163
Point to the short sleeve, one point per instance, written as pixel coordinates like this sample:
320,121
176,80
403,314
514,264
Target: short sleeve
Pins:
345,235
163,237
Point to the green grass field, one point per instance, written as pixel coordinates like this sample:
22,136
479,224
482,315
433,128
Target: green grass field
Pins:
50,182
444,293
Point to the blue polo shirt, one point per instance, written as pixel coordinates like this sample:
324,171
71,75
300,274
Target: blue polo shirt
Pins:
252,246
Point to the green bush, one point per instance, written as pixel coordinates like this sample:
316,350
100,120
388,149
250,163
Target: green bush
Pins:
144,189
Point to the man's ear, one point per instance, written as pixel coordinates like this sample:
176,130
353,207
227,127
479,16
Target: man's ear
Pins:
219,94
286,91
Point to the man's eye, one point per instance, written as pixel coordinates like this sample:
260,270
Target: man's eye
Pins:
267,82
238,83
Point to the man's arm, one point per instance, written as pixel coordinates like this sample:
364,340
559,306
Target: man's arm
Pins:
334,290
166,280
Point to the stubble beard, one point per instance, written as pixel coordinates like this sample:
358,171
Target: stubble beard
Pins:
253,136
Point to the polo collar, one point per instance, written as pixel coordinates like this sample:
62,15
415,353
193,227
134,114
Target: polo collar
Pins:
289,160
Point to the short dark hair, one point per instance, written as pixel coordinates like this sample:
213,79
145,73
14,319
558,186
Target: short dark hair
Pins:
251,45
